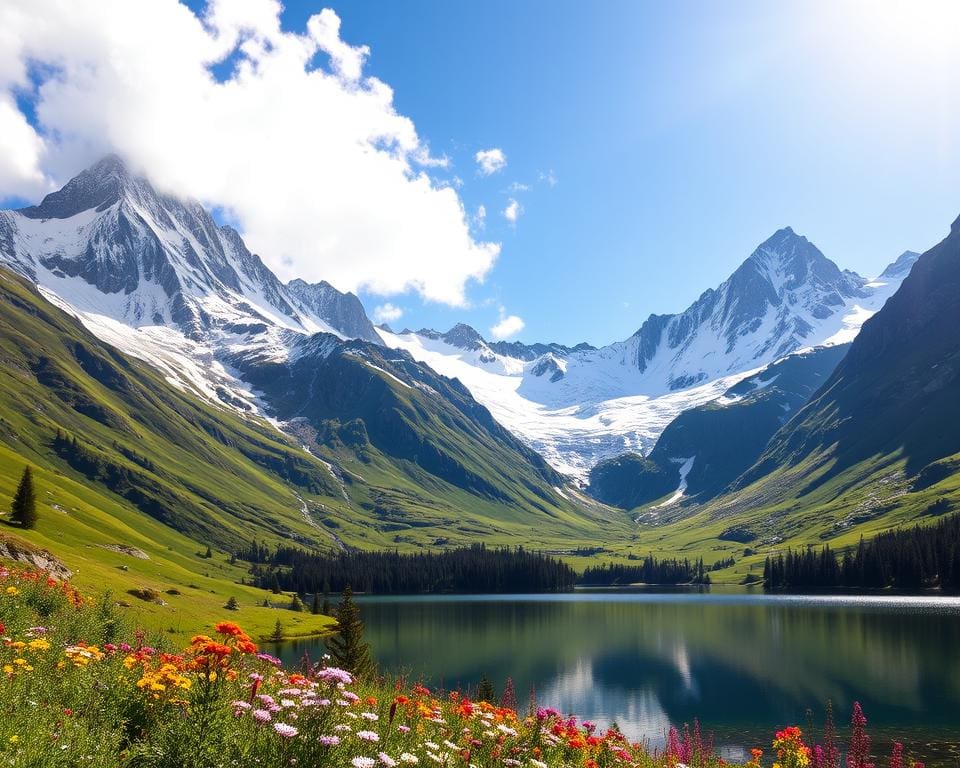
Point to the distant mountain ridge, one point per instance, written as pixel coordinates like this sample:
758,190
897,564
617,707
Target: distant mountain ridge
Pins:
578,405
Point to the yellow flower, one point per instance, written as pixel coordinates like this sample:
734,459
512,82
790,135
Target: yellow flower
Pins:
7,669
40,644
13,591
14,739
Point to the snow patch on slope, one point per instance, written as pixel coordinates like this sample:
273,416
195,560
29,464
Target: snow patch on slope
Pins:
686,466
571,437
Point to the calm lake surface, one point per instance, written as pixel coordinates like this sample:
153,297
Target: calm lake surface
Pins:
744,664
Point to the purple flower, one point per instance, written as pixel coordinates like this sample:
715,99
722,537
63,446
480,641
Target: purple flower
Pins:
363,762
368,736
334,675
329,741
262,716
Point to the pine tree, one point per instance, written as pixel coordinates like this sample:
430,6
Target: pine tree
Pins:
209,553
24,507
296,604
485,690
277,635
315,607
232,604
347,647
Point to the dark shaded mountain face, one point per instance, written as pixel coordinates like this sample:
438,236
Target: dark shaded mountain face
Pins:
897,392
724,437
366,398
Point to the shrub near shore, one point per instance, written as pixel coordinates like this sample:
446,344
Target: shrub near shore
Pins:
77,688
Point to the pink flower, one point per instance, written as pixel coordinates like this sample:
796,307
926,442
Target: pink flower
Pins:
262,716
368,736
287,731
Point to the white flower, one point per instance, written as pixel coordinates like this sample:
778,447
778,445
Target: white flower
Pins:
409,759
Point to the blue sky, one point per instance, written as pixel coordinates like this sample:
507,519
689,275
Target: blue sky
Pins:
680,134
650,146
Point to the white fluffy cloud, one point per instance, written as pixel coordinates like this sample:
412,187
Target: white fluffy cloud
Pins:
325,178
509,325
513,211
491,161
386,313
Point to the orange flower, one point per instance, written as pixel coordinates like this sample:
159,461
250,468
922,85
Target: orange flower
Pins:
229,628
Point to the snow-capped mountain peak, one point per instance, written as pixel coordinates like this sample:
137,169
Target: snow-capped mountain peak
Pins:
577,405
900,268
157,276
154,259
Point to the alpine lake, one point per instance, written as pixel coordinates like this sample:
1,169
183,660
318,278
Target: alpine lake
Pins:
743,663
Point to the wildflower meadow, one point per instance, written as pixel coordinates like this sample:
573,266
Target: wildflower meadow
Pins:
79,688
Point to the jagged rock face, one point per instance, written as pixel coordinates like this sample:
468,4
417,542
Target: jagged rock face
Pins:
769,307
549,366
341,310
464,337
